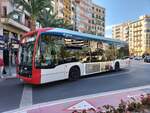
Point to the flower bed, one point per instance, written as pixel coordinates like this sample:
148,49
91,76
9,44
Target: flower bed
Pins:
134,105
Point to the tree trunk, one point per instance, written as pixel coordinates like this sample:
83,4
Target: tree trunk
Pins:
33,24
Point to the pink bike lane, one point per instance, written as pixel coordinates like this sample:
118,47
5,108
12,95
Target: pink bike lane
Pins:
91,101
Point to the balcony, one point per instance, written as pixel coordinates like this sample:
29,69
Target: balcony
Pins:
14,23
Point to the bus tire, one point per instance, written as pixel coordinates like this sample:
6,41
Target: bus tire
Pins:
74,73
117,66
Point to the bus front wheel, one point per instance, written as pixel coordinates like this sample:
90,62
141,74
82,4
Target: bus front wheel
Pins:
74,73
117,66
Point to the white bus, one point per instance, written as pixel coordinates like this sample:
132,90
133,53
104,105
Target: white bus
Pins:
52,54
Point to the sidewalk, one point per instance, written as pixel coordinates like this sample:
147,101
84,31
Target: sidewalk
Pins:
86,102
13,72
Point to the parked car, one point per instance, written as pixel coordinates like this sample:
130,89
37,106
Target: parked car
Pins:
131,57
147,59
137,58
126,57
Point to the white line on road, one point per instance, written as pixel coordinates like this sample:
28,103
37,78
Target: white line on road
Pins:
26,99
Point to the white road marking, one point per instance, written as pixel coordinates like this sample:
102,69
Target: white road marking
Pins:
61,101
26,99
84,105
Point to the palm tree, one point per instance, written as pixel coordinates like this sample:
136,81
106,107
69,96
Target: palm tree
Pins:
49,19
33,7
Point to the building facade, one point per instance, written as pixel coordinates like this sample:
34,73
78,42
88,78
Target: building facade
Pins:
58,8
11,29
88,17
74,14
63,9
121,31
98,20
82,15
67,11
138,35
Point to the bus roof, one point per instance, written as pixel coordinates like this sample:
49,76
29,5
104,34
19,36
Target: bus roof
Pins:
82,36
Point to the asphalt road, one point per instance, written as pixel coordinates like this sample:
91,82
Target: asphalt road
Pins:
13,92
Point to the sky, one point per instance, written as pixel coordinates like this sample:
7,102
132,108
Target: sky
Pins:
119,11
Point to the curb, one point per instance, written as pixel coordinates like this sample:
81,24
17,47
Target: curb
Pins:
10,77
13,76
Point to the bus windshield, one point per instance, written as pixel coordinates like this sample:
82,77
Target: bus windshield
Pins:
26,51
48,51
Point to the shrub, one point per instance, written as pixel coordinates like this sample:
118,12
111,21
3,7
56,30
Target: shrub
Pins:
132,106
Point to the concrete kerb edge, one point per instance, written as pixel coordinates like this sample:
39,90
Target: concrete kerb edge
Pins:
61,101
8,77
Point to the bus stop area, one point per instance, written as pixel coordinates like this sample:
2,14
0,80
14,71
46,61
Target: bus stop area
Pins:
8,52
94,101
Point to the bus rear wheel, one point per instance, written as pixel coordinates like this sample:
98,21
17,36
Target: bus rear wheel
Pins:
117,66
74,73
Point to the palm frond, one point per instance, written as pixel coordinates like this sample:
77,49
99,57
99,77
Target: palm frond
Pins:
34,6
39,5
47,19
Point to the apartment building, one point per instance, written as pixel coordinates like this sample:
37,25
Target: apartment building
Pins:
121,31
88,17
79,14
85,15
137,34
67,11
74,13
58,8
11,28
63,9
98,20
82,15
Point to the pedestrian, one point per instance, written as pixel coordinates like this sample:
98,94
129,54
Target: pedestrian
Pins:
1,67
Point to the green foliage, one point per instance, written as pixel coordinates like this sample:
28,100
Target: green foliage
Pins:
41,11
131,106
145,100
47,19
34,7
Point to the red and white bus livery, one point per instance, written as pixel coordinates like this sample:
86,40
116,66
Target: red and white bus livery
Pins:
52,54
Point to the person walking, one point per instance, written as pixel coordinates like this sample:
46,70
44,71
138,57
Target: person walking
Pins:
1,67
